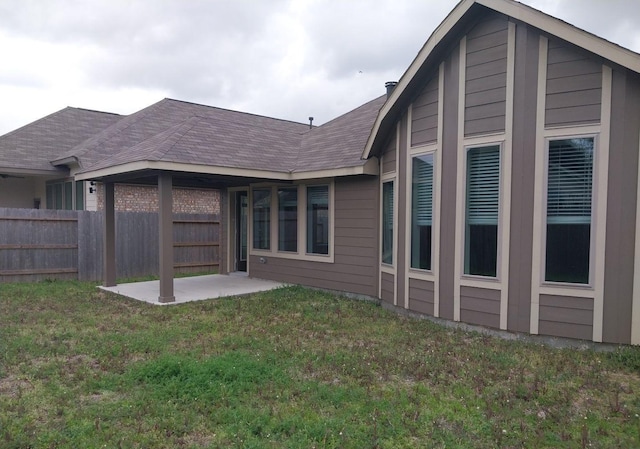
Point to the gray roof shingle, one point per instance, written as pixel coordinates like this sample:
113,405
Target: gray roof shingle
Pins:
34,146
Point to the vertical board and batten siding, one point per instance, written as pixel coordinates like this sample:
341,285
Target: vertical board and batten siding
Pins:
480,306
621,213
355,266
563,316
421,296
486,77
424,115
574,86
50,244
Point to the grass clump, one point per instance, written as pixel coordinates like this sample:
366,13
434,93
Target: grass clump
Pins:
292,368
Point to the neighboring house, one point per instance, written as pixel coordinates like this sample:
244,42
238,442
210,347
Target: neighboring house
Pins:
496,185
28,179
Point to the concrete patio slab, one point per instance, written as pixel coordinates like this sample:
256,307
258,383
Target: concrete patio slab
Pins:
196,288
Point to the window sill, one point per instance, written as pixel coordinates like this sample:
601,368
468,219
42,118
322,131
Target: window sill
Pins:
480,282
323,258
564,289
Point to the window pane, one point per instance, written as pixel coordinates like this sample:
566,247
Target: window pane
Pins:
80,195
482,208
57,189
262,218
288,219
421,211
68,195
569,198
318,219
387,222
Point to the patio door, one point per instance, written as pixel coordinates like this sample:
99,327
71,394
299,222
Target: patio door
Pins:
242,205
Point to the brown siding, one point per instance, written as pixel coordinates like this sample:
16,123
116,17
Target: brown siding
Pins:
389,156
574,86
486,75
480,306
621,207
448,184
421,296
563,316
424,115
386,287
522,187
355,267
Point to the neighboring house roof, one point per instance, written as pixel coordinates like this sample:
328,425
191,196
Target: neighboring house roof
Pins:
428,57
179,136
31,148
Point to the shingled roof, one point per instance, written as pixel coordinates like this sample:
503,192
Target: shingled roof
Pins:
31,148
172,131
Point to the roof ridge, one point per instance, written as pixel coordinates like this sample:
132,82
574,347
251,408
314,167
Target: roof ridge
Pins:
183,131
237,112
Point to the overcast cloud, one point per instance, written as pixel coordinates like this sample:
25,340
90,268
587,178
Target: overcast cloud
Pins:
289,59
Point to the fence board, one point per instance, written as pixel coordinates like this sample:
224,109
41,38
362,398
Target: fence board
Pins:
50,244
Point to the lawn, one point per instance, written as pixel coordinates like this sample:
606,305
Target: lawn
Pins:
291,368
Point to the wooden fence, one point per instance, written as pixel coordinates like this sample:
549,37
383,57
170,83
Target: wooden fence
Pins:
53,244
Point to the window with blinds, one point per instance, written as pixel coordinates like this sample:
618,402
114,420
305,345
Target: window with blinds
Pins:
569,209
318,219
482,210
387,222
421,211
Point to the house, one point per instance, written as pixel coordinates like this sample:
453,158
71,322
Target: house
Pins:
496,184
36,171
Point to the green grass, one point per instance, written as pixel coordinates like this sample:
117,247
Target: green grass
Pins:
291,368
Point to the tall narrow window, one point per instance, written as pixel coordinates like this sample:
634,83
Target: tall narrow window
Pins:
318,219
387,222
482,207
262,218
421,211
569,198
288,219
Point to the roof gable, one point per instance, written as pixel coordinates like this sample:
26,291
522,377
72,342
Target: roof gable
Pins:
428,57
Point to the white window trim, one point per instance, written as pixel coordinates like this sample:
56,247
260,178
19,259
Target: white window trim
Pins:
301,253
389,267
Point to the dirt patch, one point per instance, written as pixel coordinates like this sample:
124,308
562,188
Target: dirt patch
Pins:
13,387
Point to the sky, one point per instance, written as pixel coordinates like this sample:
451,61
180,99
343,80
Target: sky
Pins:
289,59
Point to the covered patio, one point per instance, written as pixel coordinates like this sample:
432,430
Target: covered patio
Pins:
196,288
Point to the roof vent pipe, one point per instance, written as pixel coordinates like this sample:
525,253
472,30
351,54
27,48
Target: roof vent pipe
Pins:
390,85
310,122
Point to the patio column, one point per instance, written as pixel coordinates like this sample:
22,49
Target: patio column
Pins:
109,236
165,215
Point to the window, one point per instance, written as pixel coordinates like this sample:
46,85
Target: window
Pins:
387,222
288,219
482,207
421,211
262,218
569,198
65,195
318,219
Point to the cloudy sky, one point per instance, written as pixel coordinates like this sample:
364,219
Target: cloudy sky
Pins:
289,59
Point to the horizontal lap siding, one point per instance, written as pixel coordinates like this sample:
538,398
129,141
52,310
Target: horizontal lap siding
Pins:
355,249
421,296
389,156
480,306
486,77
386,287
574,87
564,316
424,115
